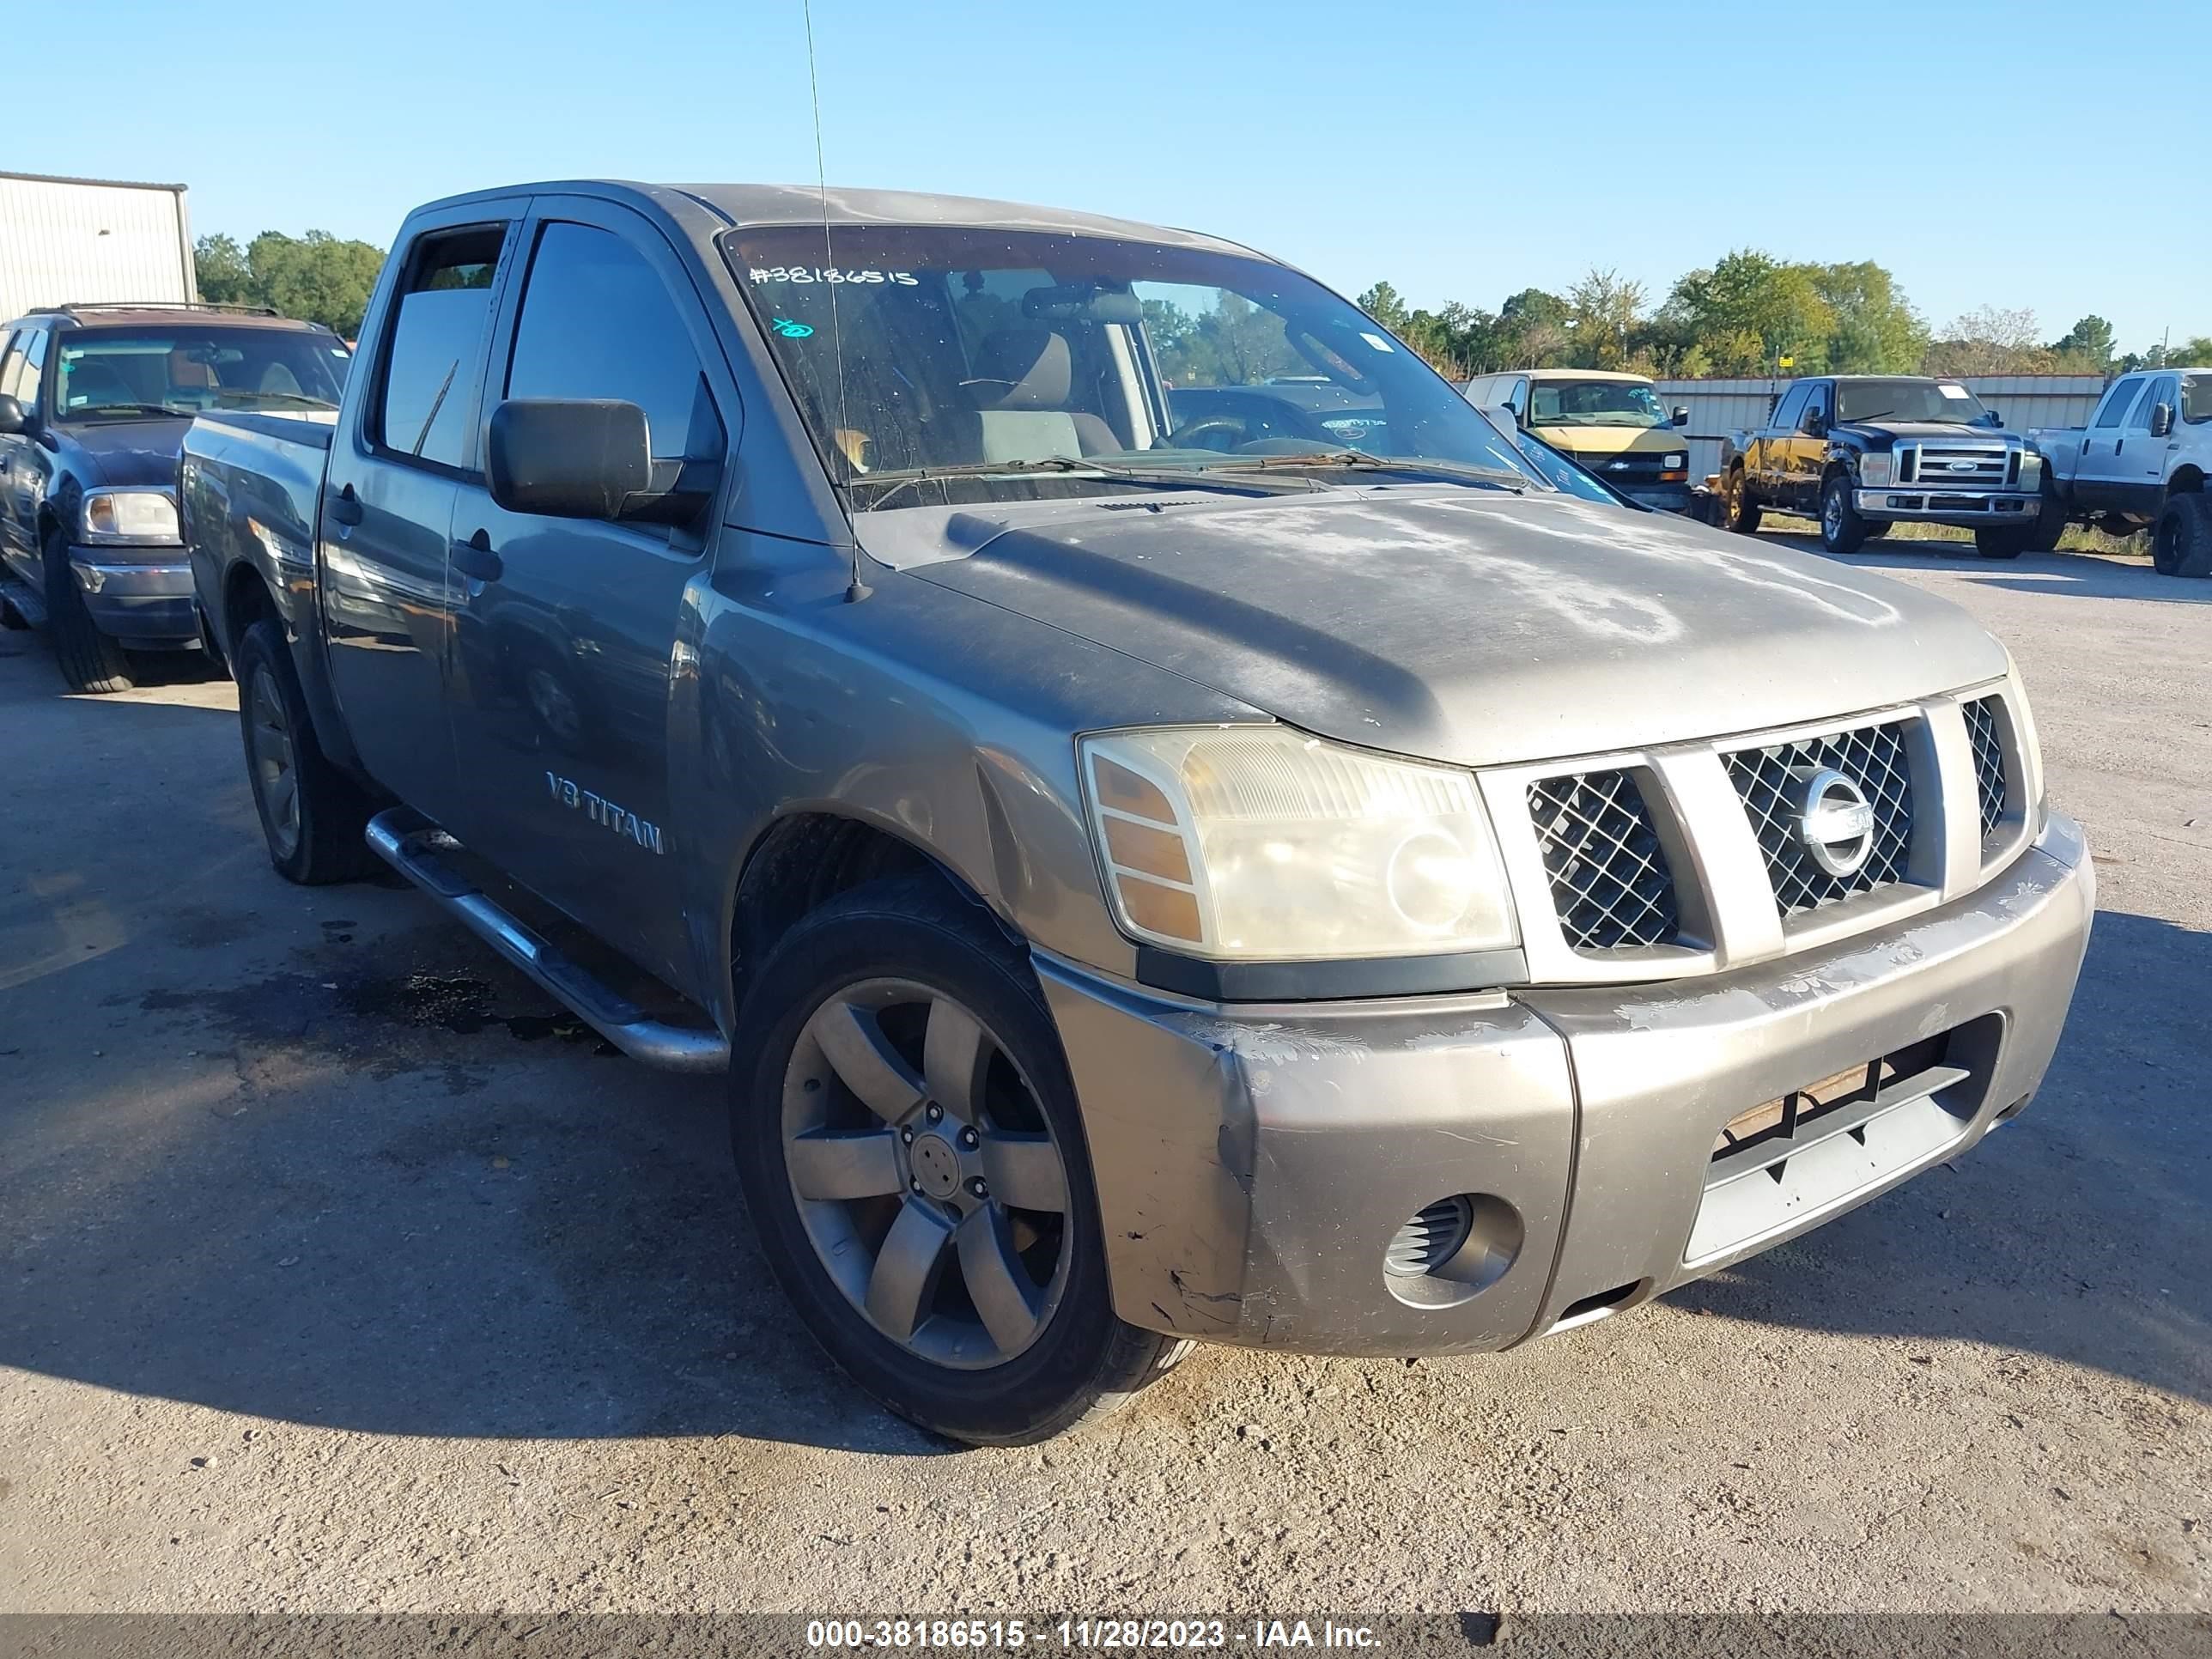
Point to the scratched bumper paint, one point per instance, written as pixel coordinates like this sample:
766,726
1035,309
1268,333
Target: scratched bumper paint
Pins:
1253,1164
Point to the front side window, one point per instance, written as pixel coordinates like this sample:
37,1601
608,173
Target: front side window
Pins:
1792,407
2115,407
917,349
1595,403
2166,389
11,365
598,322
1816,409
181,368
1944,402
436,351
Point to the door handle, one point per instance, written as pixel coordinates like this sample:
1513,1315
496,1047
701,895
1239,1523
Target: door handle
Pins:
345,507
474,558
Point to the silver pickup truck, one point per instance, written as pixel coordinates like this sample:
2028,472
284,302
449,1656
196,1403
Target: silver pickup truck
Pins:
1140,887
2143,460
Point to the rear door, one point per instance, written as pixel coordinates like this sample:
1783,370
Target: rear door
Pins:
2096,475
566,661
387,506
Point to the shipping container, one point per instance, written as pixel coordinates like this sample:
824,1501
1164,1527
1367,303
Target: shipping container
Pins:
88,239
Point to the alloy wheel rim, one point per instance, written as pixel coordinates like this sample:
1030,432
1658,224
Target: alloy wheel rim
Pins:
276,770
1832,515
925,1174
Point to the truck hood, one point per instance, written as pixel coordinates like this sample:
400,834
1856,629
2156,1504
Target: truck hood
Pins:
130,451
1462,625
1879,434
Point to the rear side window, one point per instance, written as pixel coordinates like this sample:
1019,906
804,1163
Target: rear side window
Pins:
436,354
2117,401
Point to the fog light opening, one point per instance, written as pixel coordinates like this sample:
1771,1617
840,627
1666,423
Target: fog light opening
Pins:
1452,1249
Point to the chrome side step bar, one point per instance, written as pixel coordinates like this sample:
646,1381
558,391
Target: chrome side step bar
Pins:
411,845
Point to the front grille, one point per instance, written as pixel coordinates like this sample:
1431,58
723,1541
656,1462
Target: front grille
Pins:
1955,467
1768,779
1610,880
1989,762
1430,1239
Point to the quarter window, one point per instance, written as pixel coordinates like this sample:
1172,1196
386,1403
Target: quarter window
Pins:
598,322
437,346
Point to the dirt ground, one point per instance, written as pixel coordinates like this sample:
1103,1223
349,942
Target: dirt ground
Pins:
339,1271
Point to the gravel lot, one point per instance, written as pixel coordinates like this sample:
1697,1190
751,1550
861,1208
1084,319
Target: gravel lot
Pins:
341,1273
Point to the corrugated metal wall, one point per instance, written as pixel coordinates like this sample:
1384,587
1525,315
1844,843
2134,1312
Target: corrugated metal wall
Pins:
1720,407
84,239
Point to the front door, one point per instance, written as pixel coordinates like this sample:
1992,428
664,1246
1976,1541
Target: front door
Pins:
2139,453
566,657
21,474
387,508
1809,448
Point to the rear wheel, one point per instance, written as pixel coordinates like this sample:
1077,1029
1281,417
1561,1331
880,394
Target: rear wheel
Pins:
2181,545
313,816
907,1135
90,660
1842,530
1742,508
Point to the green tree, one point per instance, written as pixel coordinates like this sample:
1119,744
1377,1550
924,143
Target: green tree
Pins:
1749,296
317,277
2087,345
1990,340
1605,312
1876,330
1383,304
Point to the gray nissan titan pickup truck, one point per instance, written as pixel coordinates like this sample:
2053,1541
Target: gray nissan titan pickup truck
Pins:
1349,901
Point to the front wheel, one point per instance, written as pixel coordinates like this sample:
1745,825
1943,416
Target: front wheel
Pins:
1842,530
90,661
2181,545
2005,541
908,1139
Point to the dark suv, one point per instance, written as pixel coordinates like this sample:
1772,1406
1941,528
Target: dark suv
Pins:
94,403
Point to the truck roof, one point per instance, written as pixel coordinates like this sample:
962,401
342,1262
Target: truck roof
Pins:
139,313
740,204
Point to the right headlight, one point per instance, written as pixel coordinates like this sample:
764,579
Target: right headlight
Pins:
1259,843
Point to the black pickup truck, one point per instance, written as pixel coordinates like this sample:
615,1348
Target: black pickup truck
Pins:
1129,860
1861,453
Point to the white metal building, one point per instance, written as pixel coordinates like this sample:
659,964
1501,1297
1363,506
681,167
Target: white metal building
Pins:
65,239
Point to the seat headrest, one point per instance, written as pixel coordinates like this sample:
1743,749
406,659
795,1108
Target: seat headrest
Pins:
1024,368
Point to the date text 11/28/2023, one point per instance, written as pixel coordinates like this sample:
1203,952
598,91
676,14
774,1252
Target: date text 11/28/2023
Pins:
1086,1634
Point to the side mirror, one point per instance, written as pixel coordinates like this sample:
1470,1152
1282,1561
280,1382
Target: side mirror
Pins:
1995,419
2161,420
589,457
1816,424
12,418
1682,414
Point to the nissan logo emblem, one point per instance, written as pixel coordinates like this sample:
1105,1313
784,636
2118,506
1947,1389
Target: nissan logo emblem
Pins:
1835,822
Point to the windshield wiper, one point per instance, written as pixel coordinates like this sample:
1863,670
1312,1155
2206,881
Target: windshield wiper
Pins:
290,399
1166,477
1851,420
91,409
1489,477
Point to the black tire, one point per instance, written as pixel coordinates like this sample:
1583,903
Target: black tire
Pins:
319,841
2006,541
1082,1361
9,617
2050,519
1743,511
90,660
2181,544
1842,530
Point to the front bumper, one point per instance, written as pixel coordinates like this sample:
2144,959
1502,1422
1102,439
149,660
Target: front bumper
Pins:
1667,498
1253,1164
145,601
1946,506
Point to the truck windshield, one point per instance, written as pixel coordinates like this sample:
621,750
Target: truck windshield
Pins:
185,368
1594,402
999,356
1909,400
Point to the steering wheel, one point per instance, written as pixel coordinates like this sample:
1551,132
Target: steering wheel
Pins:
1193,435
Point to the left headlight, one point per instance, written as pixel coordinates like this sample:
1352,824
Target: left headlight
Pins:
130,515
1264,844
1876,468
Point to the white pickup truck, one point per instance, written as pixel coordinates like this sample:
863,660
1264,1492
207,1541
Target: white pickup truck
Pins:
2142,459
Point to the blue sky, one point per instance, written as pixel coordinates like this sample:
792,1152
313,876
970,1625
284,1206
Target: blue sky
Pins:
2018,155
